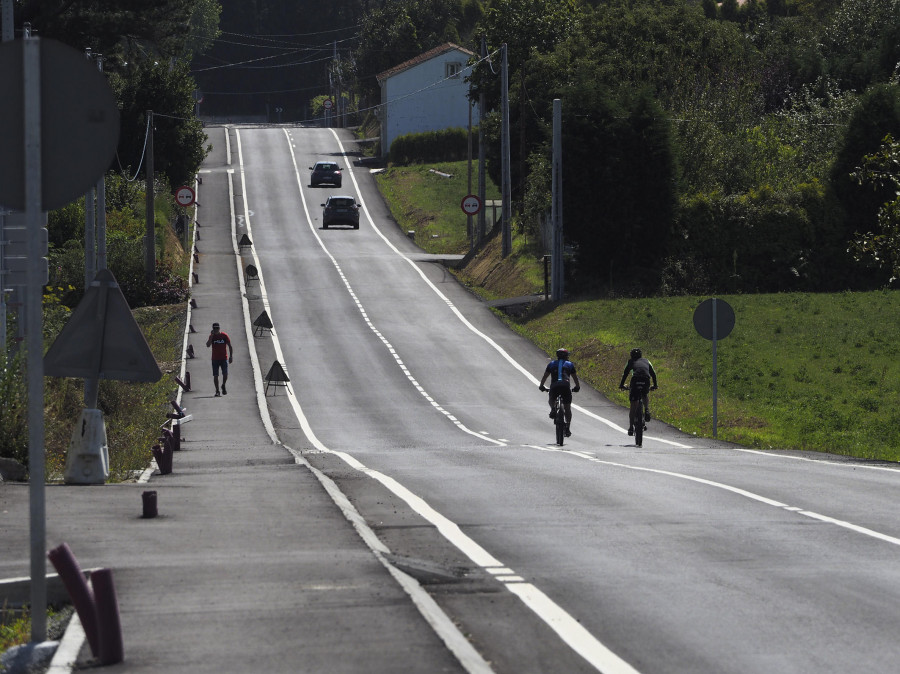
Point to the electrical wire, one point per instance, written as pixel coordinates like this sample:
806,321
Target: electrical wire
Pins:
143,152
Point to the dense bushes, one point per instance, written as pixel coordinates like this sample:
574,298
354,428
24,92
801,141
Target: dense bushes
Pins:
126,262
432,146
761,241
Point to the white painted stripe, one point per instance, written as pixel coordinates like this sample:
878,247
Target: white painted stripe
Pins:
465,653
245,303
734,490
66,656
447,631
854,465
572,632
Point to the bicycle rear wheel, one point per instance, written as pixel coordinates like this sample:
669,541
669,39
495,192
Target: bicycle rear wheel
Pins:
560,421
638,422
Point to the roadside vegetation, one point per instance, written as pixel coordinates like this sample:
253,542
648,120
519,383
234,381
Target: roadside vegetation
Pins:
425,199
133,412
147,50
813,371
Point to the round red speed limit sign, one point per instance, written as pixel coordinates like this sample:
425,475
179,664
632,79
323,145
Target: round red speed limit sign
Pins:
471,204
327,104
185,196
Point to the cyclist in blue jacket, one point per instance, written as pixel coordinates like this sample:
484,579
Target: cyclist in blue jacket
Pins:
560,371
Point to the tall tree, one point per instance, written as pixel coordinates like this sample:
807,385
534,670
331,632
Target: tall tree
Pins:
881,244
115,28
179,140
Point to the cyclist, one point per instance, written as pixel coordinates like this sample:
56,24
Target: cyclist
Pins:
560,371
642,372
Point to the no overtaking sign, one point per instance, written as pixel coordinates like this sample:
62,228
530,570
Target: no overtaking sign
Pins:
185,196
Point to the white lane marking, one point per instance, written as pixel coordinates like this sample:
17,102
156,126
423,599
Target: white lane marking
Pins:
841,464
499,349
361,308
470,659
734,490
567,627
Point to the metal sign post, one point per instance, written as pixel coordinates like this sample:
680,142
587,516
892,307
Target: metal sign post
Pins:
714,320
557,274
34,340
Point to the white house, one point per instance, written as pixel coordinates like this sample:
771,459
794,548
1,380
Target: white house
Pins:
426,93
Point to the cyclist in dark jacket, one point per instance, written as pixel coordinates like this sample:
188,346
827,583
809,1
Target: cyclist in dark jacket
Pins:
560,371
642,373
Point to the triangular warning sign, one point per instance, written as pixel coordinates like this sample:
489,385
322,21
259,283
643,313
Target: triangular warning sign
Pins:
277,373
102,340
263,321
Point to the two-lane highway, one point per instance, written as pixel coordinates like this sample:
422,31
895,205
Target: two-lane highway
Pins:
683,556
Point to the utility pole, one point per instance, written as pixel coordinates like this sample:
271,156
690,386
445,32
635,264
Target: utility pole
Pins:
6,25
34,335
556,220
150,224
470,235
482,189
6,19
506,232
90,220
101,205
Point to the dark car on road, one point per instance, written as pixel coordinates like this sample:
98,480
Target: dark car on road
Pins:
325,172
340,210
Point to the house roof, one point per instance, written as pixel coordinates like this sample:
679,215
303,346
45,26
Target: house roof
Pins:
422,58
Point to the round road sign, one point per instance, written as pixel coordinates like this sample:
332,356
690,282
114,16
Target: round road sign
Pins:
185,196
471,204
79,124
703,319
327,104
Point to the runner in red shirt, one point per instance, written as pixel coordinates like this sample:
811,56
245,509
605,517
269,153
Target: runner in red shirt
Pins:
222,354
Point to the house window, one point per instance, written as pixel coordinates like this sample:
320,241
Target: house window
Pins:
452,69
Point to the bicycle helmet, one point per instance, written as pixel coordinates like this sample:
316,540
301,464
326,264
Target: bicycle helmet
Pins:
635,354
562,353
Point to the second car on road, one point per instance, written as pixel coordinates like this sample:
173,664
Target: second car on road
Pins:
340,210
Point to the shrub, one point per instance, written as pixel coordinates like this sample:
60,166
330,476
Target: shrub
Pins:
432,146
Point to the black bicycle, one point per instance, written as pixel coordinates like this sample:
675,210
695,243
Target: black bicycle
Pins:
559,419
637,419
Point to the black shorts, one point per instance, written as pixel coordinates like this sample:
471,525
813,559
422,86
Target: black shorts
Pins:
220,364
561,389
638,389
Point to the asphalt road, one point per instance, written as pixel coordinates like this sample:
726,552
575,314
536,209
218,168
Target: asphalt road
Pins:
682,556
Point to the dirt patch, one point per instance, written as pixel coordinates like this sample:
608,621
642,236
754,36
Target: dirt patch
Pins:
499,277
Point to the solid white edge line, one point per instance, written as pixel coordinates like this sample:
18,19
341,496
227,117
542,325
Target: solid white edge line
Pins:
735,490
66,656
469,658
440,622
245,305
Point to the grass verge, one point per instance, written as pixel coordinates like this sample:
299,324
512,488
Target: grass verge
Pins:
799,371
424,201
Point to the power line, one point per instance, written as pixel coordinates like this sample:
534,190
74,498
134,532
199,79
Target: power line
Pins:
284,45
275,35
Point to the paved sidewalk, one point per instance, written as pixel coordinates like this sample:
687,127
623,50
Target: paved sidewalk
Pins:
249,566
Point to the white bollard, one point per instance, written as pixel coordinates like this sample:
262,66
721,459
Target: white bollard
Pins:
87,461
